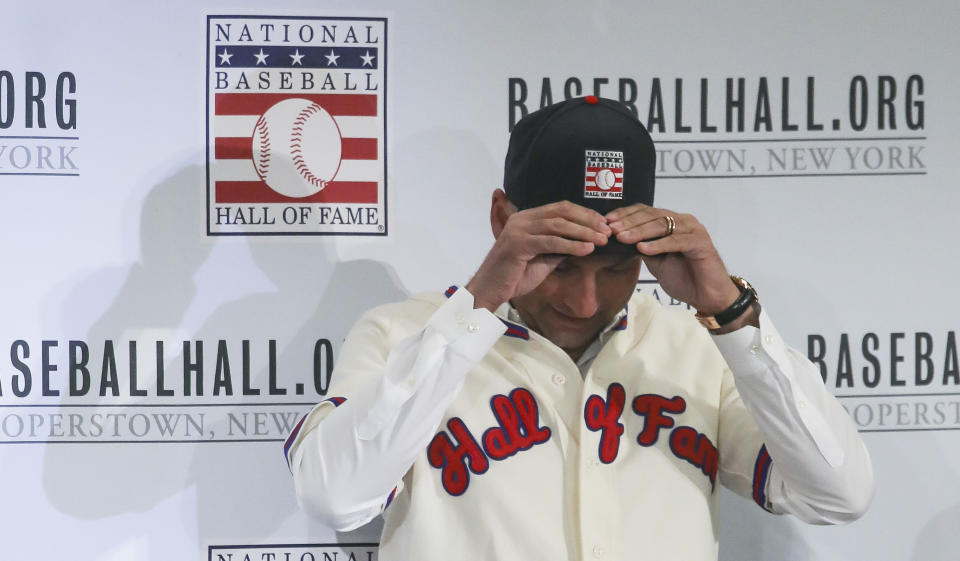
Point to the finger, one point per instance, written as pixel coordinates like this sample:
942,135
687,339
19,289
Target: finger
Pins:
632,217
674,243
574,213
559,226
657,227
621,213
550,259
555,245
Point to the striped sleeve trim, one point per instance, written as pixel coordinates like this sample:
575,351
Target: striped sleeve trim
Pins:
390,498
336,401
513,330
761,470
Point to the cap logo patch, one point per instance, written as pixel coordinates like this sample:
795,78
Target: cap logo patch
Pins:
604,175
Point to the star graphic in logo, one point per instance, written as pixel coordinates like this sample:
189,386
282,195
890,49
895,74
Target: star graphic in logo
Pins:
367,59
332,58
261,57
225,57
296,56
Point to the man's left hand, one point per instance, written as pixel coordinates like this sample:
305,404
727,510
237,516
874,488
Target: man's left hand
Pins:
684,261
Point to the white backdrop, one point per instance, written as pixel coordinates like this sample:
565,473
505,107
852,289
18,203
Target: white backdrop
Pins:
845,224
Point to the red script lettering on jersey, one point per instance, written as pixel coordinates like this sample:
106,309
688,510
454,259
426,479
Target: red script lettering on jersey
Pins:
686,443
518,428
651,408
696,448
604,416
452,460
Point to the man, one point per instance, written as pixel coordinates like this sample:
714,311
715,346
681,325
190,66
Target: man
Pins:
546,411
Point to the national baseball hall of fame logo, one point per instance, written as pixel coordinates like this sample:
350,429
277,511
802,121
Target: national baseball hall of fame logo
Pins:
604,174
296,125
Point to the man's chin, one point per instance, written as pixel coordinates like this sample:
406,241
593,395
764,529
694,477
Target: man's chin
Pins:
569,339
570,334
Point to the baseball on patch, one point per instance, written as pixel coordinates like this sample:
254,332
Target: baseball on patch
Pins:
296,147
606,179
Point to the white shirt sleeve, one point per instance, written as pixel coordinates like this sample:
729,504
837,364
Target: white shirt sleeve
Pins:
348,467
820,470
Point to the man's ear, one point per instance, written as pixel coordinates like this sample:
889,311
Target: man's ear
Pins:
500,210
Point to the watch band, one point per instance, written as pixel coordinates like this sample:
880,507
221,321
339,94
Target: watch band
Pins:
748,295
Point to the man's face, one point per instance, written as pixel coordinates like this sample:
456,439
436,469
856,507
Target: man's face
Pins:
579,298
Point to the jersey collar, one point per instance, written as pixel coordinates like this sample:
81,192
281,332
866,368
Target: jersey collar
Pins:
516,328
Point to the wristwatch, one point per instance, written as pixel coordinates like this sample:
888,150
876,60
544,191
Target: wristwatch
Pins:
748,295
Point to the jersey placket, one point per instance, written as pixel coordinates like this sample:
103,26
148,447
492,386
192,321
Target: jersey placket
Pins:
594,483
597,491
561,389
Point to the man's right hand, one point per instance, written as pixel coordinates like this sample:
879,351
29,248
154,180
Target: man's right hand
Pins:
530,245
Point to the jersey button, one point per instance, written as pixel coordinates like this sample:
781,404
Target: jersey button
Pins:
598,551
559,379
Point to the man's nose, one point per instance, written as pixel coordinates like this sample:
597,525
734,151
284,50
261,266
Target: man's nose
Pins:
580,297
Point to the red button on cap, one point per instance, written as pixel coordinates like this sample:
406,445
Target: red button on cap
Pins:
591,99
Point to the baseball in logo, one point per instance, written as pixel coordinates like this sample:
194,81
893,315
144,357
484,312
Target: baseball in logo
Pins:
604,174
296,148
296,126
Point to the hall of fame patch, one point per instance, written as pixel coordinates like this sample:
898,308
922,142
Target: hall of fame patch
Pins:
296,125
604,174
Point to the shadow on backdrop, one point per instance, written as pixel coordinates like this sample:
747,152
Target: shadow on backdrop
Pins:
176,291
190,287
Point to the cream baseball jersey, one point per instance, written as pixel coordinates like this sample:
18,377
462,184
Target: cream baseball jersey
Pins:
479,439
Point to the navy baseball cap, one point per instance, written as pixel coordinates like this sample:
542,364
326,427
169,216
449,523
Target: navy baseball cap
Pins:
589,151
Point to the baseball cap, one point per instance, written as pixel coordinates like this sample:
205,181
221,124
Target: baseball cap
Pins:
590,151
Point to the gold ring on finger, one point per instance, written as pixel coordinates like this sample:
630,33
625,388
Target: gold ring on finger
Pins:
671,224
